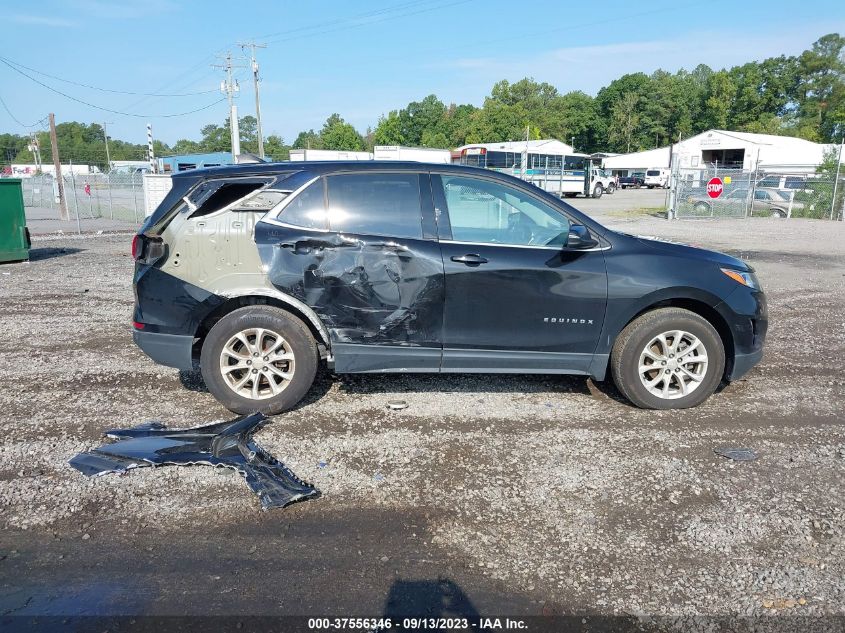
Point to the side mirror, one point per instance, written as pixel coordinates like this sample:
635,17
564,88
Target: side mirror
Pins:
580,238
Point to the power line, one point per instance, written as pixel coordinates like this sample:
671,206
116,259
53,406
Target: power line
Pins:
119,92
369,23
16,120
104,109
351,18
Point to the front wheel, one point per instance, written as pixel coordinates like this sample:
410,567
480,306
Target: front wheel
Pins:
597,191
669,358
259,359
778,213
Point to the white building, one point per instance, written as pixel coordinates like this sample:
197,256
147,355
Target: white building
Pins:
734,150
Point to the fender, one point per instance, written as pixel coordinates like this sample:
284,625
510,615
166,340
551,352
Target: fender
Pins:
622,311
284,298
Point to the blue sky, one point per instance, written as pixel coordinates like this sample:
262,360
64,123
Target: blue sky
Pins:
362,58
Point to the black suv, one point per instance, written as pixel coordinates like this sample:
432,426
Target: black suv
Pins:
261,272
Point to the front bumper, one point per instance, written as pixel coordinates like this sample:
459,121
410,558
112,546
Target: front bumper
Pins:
172,350
743,363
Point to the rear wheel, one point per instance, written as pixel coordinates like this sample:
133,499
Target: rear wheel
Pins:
778,213
259,358
668,358
611,188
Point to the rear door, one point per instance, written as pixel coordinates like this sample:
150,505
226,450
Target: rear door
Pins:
360,249
516,298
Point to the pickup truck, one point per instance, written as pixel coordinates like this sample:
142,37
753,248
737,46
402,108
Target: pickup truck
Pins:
637,179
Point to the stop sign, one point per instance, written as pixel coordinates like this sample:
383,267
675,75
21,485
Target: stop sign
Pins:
714,187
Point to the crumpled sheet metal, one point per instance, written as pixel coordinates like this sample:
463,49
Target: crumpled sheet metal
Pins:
228,444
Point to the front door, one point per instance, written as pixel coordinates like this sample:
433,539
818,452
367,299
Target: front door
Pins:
516,298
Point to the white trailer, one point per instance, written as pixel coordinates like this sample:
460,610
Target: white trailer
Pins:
415,154
327,154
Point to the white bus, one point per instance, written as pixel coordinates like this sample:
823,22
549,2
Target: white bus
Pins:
558,172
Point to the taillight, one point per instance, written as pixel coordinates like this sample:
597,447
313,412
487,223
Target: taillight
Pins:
137,325
137,246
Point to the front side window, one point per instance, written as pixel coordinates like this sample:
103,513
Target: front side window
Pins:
488,212
375,204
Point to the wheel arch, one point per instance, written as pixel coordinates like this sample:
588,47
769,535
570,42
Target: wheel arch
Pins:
267,298
695,305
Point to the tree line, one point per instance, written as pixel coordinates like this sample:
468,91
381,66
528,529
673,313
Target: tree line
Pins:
800,95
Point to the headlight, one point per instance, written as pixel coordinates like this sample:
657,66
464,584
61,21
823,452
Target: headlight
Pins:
745,278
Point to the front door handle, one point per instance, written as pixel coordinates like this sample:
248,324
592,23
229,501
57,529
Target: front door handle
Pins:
470,259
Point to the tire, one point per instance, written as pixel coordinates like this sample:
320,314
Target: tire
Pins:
611,189
297,346
778,213
679,327
598,190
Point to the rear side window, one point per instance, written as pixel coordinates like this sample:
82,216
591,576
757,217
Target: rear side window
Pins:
308,209
652,172
225,195
375,204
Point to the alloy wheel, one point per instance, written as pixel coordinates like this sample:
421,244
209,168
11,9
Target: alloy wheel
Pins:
257,363
673,364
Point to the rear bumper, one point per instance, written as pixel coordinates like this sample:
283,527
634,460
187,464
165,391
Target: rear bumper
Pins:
173,350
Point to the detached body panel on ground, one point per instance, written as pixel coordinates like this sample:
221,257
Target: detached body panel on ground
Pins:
403,267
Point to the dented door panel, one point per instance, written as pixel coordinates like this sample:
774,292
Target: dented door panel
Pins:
368,290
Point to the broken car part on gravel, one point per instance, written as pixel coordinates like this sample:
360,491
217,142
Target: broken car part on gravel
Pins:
736,454
228,444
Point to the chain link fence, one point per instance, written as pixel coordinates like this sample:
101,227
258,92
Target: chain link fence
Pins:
114,196
786,191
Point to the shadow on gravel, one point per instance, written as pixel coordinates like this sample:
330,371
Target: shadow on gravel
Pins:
37,254
192,381
461,383
441,598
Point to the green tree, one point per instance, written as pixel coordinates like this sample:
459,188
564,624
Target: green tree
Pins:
337,134
275,148
308,140
389,130
420,116
721,92
821,91
624,121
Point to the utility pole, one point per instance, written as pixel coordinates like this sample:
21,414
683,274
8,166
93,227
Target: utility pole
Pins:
60,185
255,81
230,87
35,148
151,156
108,158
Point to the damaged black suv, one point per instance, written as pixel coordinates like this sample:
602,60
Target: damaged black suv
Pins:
261,272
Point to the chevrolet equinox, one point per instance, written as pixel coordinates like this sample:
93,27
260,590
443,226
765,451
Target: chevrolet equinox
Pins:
261,272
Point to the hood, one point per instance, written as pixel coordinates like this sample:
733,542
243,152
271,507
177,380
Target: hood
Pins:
693,252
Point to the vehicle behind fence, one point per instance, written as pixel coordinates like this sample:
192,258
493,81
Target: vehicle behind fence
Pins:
116,195
794,191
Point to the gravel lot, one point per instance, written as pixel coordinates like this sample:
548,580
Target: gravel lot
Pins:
532,494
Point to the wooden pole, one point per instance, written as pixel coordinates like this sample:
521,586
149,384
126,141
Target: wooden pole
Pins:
60,185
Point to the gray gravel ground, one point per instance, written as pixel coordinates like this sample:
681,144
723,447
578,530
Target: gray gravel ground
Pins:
532,492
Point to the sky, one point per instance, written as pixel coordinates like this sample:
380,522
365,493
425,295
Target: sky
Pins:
360,59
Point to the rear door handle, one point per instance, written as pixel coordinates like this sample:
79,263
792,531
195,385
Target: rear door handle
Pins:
470,259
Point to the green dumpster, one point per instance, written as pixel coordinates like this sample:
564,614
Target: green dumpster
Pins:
14,236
